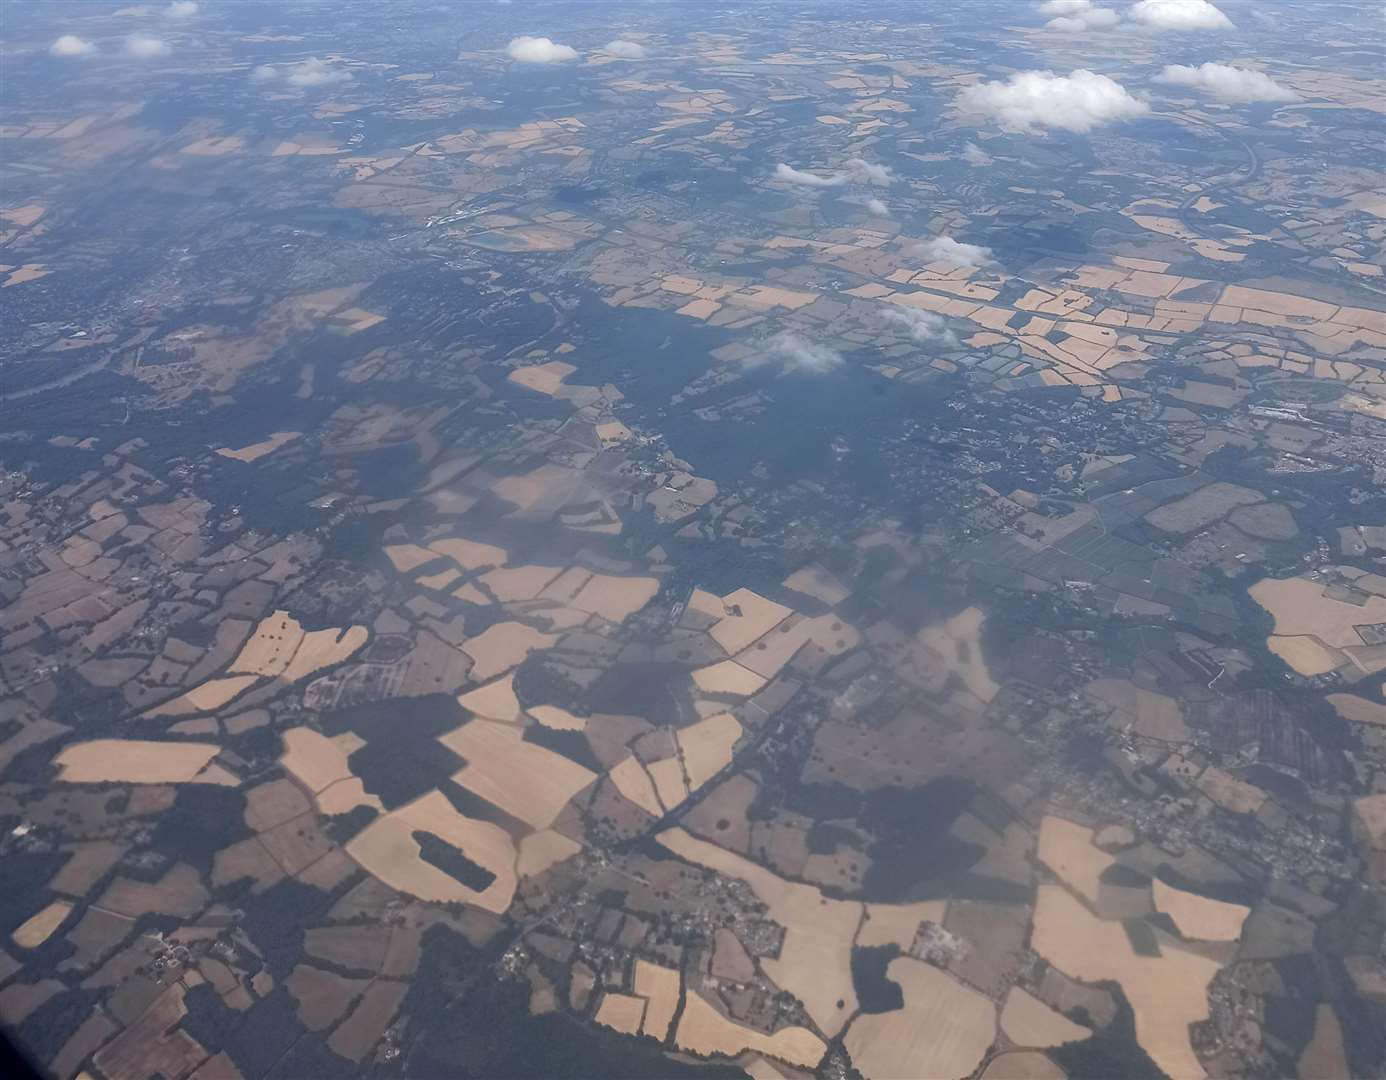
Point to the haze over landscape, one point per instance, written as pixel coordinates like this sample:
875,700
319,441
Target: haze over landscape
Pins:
598,539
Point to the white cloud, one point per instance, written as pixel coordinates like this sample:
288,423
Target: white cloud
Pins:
856,171
798,354
1040,99
860,171
1075,16
71,45
182,9
922,326
1227,83
539,50
946,249
975,155
1179,15
878,208
264,73
315,72
143,46
790,175
626,50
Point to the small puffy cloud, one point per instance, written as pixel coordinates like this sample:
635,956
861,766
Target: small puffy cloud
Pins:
1227,83
626,50
72,45
856,171
142,46
1179,15
181,9
1075,16
946,249
306,73
975,155
878,208
315,72
790,175
922,326
860,171
797,354
539,50
1040,99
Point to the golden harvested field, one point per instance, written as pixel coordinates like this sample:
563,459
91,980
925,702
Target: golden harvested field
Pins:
959,642
817,582
757,616
1197,916
634,783
503,646
707,747
541,850
313,759
615,598
282,649
548,484
770,653
895,924
320,765
27,272
659,986
944,1029
387,850
495,701
23,216
271,647
39,927
441,580
255,451
814,962
407,557
621,1012
1359,710
1167,992
728,677
1067,849
133,761
556,719
1027,1021
543,378
518,583
212,694
613,431
1306,655
323,648
1325,1054
704,1030
469,554
669,784
567,585
523,779
1302,612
